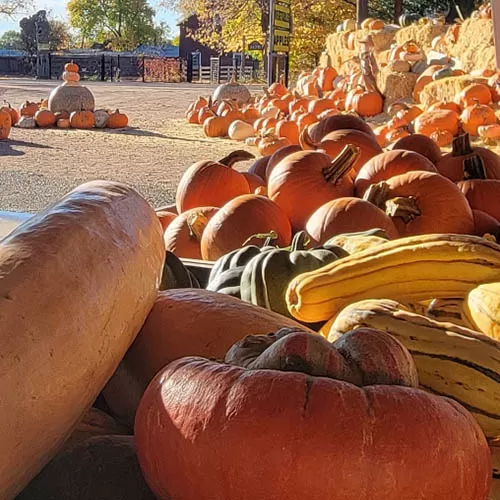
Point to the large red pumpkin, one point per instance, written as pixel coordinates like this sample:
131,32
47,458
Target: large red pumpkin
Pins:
390,164
483,195
283,419
211,184
423,203
347,215
183,235
280,155
239,222
304,181
420,144
338,122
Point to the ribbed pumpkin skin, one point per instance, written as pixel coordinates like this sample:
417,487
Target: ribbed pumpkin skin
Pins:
483,195
338,122
183,240
420,144
389,164
239,220
280,155
347,215
196,322
334,142
209,184
297,185
443,207
315,427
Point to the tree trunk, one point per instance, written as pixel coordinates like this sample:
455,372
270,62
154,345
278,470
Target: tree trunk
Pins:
361,10
398,10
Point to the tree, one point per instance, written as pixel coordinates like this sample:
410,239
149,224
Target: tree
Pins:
11,40
60,37
126,23
11,7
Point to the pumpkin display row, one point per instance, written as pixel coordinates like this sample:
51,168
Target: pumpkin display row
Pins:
363,412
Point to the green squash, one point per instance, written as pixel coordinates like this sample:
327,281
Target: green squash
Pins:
266,277
176,275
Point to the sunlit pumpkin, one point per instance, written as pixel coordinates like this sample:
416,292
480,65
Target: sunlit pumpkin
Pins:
82,119
117,120
475,116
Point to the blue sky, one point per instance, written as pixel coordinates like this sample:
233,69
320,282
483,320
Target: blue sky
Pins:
58,9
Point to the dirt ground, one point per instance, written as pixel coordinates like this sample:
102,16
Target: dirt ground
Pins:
38,166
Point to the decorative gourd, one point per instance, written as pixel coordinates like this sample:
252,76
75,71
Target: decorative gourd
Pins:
45,118
338,122
419,144
101,118
389,164
358,242
452,165
407,269
441,119
474,93
300,385
26,122
212,184
105,226
183,235
82,119
5,124
423,203
238,223
265,277
117,120
483,195
232,91
475,116
345,215
14,115
240,130
314,179
451,360
333,143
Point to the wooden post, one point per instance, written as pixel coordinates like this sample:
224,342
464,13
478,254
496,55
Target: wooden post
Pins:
495,8
398,10
361,10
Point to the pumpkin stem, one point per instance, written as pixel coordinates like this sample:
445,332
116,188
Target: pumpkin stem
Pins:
461,145
300,241
235,157
266,92
196,224
406,208
474,168
342,163
267,237
377,194
306,140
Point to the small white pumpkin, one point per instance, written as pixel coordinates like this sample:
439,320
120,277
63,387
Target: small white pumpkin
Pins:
69,76
26,122
101,118
349,25
240,130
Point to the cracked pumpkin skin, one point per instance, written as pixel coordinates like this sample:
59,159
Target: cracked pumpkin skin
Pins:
219,431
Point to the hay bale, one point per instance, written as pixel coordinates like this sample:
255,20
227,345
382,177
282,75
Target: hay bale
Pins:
475,48
395,86
446,89
422,34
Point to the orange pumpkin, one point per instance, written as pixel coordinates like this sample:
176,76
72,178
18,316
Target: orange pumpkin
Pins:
29,108
288,129
474,93
278,88
347,215
432,121
63,123
204,114
251,114
45,118
166,218
326,78
82,119
279,155
475,116
317,106
485,224
254,181
381,135
14,115
424,79
184,234
452,165
489,131
211,184
216,126
423,203
483,195
450,105
270,144
117,120
397,134
338,122
390,164
5,124
420,144
442,137
239,221
305,120
304,181
71,67
376,24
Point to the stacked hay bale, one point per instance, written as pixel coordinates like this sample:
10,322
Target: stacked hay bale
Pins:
446,89
422,34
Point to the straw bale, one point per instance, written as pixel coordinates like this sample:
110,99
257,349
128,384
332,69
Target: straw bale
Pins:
395,86
446,89
474,48
422,34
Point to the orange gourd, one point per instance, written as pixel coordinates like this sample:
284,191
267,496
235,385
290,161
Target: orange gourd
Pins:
397,134
254,181
212,184
239,221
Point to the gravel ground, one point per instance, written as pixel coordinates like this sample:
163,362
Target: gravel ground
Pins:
38,166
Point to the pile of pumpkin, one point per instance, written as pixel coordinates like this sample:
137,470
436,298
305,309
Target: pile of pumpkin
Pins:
212,398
